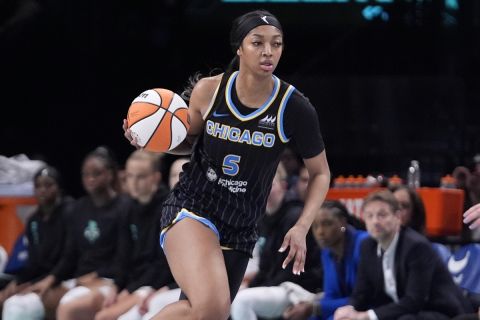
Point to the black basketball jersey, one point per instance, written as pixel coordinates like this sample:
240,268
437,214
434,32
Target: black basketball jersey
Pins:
230,174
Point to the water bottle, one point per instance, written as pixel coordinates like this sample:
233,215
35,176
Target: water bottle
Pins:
447,182
339,182
413,175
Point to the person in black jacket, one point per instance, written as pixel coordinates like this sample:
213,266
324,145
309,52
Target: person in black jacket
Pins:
92,231
45,231
400,275
141,266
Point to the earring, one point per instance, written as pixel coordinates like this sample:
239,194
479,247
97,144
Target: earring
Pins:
342,229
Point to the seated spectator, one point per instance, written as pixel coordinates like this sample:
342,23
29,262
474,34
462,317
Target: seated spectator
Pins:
88,258
45,232
142,266
340,244
292,162
474,187
400,276
462,175
175,170
470,316
299,188
412,210
158,299
469,182
280,216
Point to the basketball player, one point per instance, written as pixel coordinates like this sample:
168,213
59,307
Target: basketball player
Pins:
241,121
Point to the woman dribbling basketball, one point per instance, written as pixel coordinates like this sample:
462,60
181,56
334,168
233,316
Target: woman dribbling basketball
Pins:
240,121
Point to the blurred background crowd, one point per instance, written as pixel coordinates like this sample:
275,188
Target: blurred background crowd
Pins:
392,81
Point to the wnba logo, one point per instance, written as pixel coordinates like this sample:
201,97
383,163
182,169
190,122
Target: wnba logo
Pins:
268,122
211,175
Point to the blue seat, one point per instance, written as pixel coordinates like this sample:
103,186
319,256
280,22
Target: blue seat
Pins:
18,257
464,267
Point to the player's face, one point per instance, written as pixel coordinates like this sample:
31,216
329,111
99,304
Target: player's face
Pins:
96,177
261,50
46,190
327,228
381,222
142,181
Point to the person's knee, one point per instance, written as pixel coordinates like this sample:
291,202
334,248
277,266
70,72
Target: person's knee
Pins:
243,297
241,302
27,306
74,294
67,311
75,305
63,311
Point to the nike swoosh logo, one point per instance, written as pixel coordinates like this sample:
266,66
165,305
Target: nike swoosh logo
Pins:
456,266
458,279
218,115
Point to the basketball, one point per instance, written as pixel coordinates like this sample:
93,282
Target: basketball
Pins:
158,120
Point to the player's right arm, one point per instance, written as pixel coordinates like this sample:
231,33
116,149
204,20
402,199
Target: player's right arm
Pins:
200,100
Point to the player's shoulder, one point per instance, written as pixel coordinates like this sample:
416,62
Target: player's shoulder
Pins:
204,91
208,84
296,97
298,102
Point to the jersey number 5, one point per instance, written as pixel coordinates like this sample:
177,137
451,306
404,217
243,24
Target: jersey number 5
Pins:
230,164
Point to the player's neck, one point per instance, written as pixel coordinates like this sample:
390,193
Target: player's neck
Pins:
253,91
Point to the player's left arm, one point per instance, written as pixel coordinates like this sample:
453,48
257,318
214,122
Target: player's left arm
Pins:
318,183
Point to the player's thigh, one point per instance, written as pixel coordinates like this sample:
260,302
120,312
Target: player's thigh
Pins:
196,261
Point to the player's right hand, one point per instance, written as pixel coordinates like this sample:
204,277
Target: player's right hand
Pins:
128,134
295,240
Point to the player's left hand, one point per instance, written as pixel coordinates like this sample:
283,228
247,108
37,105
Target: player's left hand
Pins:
295,239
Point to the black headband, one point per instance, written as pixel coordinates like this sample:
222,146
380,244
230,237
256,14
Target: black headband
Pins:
245,26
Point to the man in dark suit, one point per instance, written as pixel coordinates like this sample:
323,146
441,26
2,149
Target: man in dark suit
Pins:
400,275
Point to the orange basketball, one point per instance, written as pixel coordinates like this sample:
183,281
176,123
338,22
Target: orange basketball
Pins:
158,120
